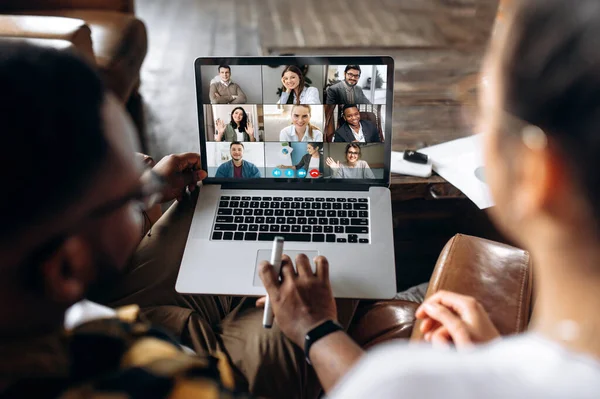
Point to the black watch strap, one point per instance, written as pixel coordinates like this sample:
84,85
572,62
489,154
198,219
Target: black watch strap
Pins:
320,331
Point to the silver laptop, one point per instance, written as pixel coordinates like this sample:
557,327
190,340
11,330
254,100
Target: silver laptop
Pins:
297,147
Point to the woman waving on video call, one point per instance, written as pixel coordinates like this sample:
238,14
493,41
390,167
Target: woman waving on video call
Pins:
353,167
238,129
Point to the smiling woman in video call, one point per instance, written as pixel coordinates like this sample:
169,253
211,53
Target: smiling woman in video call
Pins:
301,129
353,167
238,129
294,90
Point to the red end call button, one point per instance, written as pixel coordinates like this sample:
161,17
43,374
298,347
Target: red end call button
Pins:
314,173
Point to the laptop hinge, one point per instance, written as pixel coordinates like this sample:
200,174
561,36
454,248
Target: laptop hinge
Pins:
296,187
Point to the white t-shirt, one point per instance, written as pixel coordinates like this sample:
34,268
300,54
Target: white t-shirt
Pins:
524,367
314,163
360,137
289,134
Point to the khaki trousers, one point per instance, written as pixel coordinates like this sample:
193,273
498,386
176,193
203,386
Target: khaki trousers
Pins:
266,363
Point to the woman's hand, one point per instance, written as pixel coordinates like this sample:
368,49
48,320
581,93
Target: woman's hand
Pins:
285,89
250,131
331,163
220,125
453,318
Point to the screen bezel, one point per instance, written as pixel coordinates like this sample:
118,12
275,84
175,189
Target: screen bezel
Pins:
299,183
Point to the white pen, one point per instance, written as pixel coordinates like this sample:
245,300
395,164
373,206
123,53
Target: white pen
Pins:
276,253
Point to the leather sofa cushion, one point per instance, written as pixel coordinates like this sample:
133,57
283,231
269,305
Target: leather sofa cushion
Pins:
51,31
119,41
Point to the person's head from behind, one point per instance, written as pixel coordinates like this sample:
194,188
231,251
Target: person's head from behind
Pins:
352,153
67,173
352,74
224,72
540,115
313,148
239,119
351,115
237,151
293,78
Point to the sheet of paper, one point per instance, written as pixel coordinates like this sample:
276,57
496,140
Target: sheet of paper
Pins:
460,162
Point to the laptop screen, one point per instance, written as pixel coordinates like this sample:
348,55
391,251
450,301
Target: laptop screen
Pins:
317,120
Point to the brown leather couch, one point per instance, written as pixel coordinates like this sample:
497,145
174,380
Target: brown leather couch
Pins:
106,32
497,275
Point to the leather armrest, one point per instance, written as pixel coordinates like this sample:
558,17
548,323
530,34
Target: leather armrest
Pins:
126,6
382,321
497,275
72,30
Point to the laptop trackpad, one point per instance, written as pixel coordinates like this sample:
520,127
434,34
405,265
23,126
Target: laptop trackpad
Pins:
265,254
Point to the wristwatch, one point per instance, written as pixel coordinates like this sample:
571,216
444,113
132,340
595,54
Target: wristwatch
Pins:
320,331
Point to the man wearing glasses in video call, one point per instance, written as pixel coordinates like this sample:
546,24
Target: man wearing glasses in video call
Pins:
347,91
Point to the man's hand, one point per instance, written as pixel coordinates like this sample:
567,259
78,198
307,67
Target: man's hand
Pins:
450,317
300,301
179,171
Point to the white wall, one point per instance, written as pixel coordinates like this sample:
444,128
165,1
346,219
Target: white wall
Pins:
248,77
272,81
278,117
274,154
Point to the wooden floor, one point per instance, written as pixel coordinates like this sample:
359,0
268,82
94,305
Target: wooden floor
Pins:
435,44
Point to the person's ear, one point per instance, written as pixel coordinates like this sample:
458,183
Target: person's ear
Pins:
540,176
67,273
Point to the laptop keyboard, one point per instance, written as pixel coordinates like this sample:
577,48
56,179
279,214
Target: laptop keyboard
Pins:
300,219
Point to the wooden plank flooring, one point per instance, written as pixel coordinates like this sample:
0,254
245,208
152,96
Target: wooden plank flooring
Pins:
435,44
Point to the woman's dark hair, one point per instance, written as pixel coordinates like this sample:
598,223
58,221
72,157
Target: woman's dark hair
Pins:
316,145
352,145
348,106
243,122
550,74
297,71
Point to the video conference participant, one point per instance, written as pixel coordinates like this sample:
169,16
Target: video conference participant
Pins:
301,129
353,167
354,130
238,129
347,91
237,167
225,91
294,91
312,161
